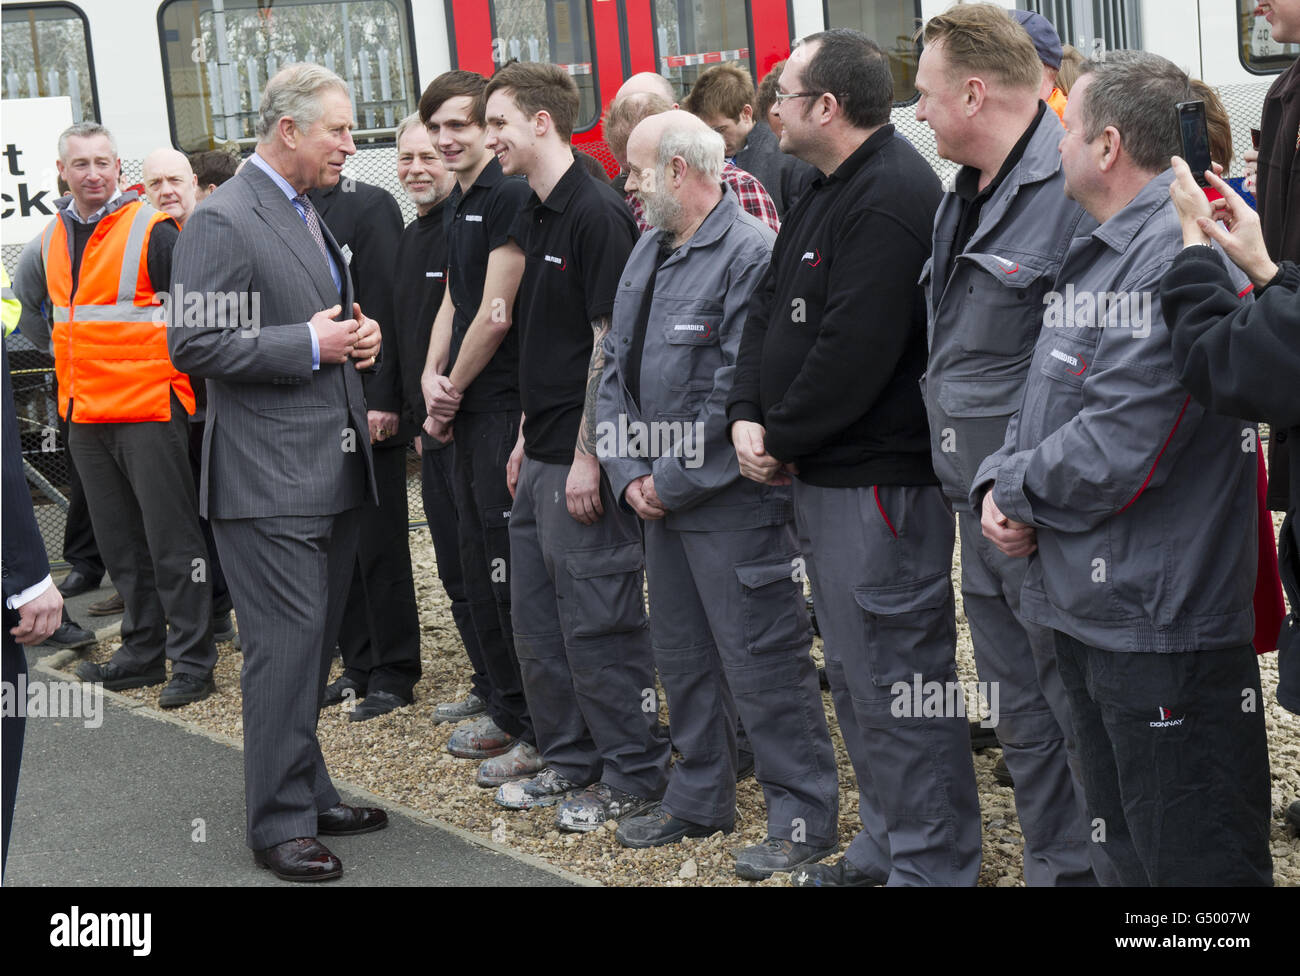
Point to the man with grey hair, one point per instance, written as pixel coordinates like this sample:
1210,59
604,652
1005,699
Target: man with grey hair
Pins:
287,462
1140,506
728,624
99,265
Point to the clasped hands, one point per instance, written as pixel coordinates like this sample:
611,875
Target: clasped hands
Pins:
357,338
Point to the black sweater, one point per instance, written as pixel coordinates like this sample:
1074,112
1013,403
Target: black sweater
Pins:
834,344
1239,359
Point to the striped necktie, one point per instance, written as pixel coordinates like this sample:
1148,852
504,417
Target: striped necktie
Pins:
313,225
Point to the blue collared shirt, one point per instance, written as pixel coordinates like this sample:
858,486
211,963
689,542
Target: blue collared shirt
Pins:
76,214
292,194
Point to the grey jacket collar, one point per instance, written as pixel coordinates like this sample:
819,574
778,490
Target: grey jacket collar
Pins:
713,227
67,207
1040,162
1118,232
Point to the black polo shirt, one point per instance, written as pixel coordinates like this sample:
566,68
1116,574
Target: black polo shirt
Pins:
477,223
419,280
834,340
576,244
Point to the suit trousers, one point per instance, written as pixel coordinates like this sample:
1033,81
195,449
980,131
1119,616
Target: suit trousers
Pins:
731,636
438,496
145,510
1033,714
221,604
289,578
483,503
12,727
880,560
380,633
582,637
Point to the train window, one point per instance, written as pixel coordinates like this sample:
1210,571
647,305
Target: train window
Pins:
1259,52
218,55
553,32
47,53
690,35
1092,26
891,24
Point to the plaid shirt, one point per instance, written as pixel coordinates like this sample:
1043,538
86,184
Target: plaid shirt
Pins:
748,191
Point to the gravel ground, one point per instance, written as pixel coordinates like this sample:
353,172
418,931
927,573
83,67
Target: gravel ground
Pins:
401,755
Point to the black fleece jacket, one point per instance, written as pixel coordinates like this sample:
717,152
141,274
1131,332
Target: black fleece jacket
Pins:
834,342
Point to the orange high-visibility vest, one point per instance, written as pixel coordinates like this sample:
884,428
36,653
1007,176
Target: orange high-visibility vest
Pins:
1056,102
110,342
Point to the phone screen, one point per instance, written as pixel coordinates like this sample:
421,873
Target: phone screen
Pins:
1196,138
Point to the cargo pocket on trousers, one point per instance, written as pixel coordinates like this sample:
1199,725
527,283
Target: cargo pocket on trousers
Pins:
605,594
909,630
776,618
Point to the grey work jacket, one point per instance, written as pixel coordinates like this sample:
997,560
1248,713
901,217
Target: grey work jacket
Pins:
984,319
692,338
1144,502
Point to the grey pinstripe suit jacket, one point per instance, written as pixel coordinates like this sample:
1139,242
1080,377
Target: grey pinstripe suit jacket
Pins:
281,439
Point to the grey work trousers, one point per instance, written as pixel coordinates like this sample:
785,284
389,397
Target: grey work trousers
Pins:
582,638
145,511
1033,724
880,560
731,634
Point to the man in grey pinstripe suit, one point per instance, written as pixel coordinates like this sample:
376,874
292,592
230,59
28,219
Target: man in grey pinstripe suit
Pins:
258,283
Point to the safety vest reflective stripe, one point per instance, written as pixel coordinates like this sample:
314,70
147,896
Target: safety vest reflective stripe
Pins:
112,313
12,309
131,254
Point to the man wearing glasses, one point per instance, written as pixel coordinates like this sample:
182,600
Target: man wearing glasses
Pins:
826,393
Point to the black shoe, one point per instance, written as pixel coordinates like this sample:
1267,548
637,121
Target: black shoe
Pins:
185,689
114,677
375,704
658,827
222,627
77,583
744,766
69,636
760,861
300,859
341,690
342,820
1292,815
1002,775
841,874
983,738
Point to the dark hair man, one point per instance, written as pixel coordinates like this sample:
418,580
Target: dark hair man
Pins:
471,381
576,558
826,394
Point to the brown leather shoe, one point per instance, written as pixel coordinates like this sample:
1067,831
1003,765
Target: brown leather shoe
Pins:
341,820
300,859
